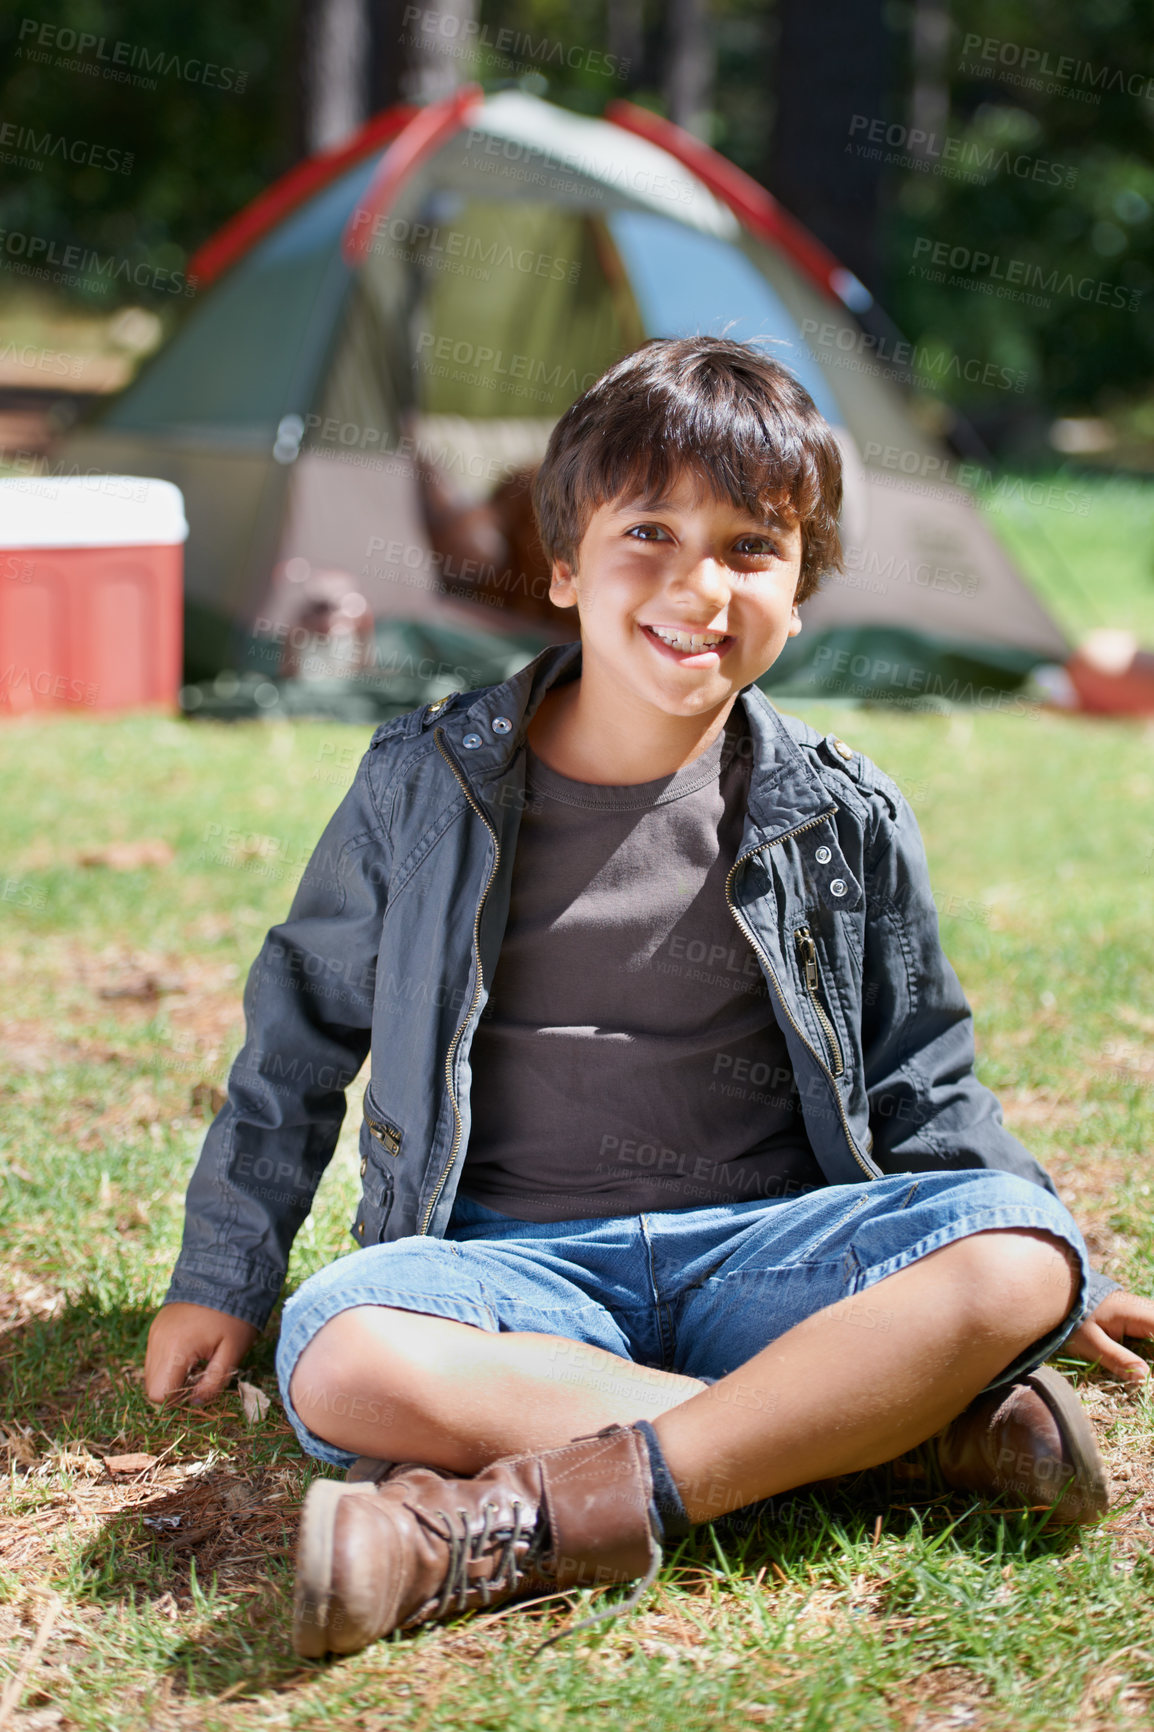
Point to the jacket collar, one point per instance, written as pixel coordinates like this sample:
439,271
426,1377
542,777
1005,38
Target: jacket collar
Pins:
784,792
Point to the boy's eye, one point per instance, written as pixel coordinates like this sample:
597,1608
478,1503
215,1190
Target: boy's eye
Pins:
759,545
646,531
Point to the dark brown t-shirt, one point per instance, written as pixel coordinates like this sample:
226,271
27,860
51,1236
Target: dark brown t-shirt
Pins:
629,1058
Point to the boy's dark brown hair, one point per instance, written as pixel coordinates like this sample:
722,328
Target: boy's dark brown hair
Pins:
720,408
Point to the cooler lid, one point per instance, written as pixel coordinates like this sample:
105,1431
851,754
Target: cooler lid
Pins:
90,511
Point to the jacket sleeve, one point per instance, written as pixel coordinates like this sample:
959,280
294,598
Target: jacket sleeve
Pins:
308,1010
928,1110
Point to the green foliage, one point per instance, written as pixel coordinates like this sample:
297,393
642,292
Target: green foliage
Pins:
171,119
1089,216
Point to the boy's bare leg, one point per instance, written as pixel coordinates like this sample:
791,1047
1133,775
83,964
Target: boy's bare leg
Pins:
409,1387
866,1379
856,1384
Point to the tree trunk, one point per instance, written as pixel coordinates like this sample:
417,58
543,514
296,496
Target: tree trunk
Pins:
930,98
690,65
625,37
390,57
440,56
833,64
356,57
332,59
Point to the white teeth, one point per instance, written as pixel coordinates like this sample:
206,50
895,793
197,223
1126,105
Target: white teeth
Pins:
685,641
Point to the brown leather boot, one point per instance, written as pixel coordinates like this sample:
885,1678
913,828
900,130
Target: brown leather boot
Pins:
374,1469
418,1547
1030,1442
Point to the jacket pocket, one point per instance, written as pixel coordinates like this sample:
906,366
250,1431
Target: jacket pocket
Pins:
381,1139
375,1207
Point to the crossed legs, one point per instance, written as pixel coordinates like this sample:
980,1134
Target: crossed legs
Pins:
825,1398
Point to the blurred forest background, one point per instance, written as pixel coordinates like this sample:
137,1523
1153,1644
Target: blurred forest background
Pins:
788,89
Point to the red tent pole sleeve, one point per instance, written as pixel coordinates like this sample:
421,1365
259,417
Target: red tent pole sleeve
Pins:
745,197
249,225
424,134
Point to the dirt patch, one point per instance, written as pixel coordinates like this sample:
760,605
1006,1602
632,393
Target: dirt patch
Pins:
157,1511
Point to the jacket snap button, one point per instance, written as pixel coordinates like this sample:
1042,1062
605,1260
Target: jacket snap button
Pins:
838,887
501,724
824,856
471,740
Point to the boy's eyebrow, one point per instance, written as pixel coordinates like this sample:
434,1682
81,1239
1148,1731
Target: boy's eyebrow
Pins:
774,521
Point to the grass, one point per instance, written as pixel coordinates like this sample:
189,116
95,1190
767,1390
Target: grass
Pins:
877,1602
1084,542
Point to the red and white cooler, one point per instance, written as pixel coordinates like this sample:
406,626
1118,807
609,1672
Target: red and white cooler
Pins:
91,593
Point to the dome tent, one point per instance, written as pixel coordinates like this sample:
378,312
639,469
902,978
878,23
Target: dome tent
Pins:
425,301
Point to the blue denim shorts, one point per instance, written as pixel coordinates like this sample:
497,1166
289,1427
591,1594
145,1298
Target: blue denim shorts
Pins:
698,1291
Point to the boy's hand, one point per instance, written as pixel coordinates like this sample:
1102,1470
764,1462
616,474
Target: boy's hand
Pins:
1099,1337
184,1336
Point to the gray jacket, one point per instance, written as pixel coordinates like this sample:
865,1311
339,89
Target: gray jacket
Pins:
393,937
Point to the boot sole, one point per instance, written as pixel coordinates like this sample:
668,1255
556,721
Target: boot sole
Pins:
1089,1490
313,1591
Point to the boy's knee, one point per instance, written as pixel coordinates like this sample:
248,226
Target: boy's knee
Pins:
1025,1271
315,1383
328,1374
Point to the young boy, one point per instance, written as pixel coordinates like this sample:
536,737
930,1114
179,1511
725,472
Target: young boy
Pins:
679,1187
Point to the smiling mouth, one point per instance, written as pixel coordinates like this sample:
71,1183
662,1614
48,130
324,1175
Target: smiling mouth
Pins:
688,645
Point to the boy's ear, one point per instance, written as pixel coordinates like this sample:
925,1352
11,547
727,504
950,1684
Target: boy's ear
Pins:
795,622
562,589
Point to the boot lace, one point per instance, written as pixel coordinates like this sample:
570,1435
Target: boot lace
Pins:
619,1610
468,1545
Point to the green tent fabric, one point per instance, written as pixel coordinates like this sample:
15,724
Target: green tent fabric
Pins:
411,665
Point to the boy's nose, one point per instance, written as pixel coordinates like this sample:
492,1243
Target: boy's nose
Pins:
708,578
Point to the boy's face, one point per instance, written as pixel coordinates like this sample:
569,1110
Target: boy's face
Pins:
688,564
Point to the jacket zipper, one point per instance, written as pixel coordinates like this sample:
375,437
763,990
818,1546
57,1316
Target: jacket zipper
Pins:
438,735
868,1169
808,952
387,1134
